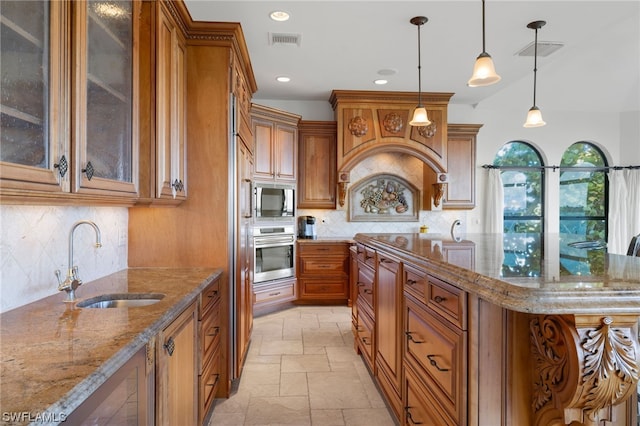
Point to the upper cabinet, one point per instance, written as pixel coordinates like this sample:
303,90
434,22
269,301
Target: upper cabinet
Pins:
69,102
275,134
163,139
317,165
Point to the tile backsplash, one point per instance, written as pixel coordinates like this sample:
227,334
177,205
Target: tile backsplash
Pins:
335,223
35,242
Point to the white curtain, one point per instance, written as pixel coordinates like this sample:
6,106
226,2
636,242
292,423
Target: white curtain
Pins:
624,209
494,214
618,238
632,179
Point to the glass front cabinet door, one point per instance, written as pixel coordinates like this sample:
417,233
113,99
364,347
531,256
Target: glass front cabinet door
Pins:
69,84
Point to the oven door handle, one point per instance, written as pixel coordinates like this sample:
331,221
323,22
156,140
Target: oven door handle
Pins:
273,241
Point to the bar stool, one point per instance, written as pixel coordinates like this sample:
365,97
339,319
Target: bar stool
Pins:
634,247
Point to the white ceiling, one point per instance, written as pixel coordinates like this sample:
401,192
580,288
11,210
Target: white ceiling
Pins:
345,43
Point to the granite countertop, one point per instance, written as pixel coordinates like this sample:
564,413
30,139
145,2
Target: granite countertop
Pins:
54,355
526,273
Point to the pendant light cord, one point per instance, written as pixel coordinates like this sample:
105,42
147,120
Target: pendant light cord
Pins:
419,70
483,45
535,66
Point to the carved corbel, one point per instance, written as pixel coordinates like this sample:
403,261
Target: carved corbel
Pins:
582,372
343,181
438,193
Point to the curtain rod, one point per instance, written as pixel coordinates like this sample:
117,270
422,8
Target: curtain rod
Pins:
554,168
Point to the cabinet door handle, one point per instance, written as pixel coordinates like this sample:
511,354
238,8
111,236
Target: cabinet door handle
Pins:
62,166
367,291
439,299
170,346
411,282
88,170
178,185
366,341
410,418
409,335
435,364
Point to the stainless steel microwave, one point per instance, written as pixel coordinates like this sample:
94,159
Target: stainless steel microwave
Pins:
273,201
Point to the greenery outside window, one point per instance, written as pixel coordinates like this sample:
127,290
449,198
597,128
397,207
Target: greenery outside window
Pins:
522,173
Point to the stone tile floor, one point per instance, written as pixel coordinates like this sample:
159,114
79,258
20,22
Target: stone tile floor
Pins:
301,369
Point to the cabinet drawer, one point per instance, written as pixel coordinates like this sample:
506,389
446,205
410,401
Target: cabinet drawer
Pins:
271,293
209,382
323,249
209,296
439,351
365,286
320,266
365,337
330,288
209,335
366,255
447,300
415,282
421,408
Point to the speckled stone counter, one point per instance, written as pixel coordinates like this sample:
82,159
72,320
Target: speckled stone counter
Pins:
326,240
567,280
54,355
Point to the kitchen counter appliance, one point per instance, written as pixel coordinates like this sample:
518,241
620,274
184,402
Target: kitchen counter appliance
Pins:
307,227
274,253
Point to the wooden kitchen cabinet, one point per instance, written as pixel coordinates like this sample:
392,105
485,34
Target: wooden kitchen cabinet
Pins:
177,370
363,313
126,397
388,330
209,335
270,296
323,272
460,190
85,92
275,134
317,175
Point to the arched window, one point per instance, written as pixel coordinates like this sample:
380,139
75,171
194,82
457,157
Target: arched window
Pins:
583,192
522,173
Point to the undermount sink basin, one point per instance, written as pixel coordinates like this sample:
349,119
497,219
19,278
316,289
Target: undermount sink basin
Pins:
121,300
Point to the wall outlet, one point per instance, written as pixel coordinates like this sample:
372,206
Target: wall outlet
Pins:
122,237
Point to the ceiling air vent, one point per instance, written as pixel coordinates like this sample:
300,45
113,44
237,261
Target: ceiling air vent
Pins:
545,48
284,39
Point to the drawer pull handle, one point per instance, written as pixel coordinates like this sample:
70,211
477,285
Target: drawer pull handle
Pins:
410,337
435,364
411,282
274,294
214,293
322,249
359,329
384,260
213,331
366,341
367,291
439,299
368,257
215,382
410,417
360,284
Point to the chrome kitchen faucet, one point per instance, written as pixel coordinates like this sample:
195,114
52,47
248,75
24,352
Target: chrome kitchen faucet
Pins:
73,281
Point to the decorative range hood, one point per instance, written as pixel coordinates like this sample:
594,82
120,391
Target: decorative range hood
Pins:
370,122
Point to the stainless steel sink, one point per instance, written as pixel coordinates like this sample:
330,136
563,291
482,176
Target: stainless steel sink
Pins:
121,300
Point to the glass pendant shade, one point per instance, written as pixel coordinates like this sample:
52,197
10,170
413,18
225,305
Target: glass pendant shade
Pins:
484,72
534,118
420,117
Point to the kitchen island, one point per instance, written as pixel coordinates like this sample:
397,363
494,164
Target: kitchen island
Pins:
492,329
55,355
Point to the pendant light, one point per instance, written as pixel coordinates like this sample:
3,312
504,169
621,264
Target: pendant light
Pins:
484,73
534,117
420,117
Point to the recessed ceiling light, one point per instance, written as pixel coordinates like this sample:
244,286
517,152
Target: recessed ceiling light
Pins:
380,81
283,79
279,15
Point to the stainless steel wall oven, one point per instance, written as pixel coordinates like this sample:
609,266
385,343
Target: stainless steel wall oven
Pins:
274,252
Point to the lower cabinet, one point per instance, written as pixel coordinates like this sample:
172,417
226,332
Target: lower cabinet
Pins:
176,370
271,295
323,272
209,329
125,398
